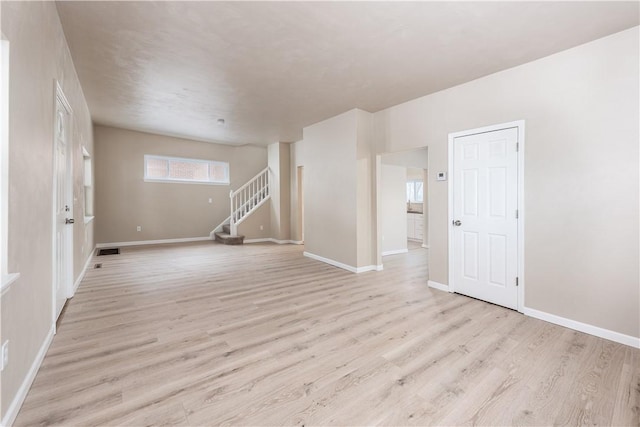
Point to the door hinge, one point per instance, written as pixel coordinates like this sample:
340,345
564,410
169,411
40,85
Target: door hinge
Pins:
517,147
517,284
517,213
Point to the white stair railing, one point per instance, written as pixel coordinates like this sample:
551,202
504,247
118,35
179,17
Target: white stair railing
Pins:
248,198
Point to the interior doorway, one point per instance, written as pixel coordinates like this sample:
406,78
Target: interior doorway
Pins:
62,204
402,202
301,203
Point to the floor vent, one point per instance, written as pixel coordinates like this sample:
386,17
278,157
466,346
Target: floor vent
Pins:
110,251
97,266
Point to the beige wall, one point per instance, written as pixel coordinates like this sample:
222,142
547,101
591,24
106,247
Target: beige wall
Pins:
393,208
296,153
366,212
581,173
164,210
331,188
39,55
280,182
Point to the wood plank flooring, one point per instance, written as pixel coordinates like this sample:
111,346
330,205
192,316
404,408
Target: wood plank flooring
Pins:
208,334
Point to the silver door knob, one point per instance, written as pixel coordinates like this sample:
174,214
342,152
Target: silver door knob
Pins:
69,221
457,223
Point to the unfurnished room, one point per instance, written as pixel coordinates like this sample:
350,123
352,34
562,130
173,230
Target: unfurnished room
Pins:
258,213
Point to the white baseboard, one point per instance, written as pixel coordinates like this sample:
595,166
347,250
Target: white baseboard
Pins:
272,240
369,268
83,272
16,403
395,252
583,327
439,286
152,242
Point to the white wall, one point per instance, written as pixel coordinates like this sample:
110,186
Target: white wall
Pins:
393,208
581,173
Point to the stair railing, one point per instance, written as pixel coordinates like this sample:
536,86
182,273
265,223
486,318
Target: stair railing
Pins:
248,198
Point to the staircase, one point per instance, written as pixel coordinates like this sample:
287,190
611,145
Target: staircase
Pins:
244,201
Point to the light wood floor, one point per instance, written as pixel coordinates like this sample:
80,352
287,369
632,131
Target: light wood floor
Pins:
206,334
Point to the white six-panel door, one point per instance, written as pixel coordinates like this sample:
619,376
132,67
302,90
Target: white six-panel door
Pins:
484,220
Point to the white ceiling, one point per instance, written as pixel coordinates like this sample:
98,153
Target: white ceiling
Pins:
271,68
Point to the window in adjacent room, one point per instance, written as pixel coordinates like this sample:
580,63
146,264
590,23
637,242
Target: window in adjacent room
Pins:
179,170
414,191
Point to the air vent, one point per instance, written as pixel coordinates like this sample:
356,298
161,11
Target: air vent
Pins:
97,265
109,251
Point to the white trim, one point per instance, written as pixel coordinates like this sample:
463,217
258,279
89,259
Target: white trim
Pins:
4,159
83,272
330,262
271,239
425,246
583,327
18,400
88,219
7,280
520,125
152,242
395,252
439,286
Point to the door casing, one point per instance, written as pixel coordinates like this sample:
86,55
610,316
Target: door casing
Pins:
520,125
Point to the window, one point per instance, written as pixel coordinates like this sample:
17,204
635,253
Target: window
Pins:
6,278
88,186
175,169
414,191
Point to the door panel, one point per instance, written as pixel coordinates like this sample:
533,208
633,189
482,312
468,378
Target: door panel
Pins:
62,260
485,199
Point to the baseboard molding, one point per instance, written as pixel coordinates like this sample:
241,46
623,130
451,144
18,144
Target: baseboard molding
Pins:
369,268
396,252
83,272
18,400
439,286
342,265
330,262
272,240
583,327
152,242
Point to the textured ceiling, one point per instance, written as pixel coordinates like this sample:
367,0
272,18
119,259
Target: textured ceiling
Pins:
271,68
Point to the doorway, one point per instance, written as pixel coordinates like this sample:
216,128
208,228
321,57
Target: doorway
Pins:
301,203
402,202
62,204
485,214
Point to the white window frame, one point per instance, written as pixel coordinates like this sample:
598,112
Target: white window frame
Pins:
186,181
415,193
6,278
88,186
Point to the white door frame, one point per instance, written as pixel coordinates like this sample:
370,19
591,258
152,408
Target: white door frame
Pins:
67,286
519,124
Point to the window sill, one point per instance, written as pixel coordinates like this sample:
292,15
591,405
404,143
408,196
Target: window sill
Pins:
7,280
176,181
88,219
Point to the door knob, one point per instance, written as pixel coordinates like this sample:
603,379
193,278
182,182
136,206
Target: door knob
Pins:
69,221
457,223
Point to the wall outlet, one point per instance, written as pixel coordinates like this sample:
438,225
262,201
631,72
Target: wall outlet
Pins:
210,200
139,228
262,227
4,360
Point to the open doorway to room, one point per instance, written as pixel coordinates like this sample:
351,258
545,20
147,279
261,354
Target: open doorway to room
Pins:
403,214
300,208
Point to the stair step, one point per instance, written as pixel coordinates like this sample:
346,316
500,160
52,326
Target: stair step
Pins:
226,228
228,239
